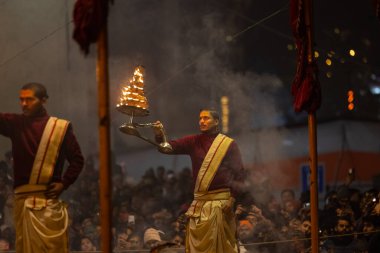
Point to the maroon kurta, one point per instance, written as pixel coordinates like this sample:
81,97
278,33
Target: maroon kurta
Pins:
230,172
25,134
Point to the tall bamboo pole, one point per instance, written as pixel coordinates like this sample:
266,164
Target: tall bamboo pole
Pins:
313,156
104,140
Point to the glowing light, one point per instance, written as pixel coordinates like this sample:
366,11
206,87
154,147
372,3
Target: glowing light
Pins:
132,94
328,62
375,89
350,100
225,113
352,52
316,54
329,74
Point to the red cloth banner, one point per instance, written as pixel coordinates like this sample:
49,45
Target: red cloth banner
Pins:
89,17
376,4
306,88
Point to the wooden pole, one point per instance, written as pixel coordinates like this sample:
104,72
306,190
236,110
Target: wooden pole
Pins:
313,156
104,141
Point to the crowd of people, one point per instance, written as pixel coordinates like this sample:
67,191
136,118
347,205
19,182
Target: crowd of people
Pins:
150,212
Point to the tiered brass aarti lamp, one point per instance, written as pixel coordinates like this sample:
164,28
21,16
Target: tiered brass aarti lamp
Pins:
134,103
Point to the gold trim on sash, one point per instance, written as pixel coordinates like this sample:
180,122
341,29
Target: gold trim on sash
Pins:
48,150
207,173
211,162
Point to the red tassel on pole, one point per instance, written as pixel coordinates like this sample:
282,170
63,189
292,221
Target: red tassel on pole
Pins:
89,16
306,89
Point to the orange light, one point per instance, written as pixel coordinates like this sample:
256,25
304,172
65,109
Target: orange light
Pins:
225,113
350,100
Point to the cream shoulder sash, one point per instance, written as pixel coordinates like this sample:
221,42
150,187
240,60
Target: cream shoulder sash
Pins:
48,151
211,162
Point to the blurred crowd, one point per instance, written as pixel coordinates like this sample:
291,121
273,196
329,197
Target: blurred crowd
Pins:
149,213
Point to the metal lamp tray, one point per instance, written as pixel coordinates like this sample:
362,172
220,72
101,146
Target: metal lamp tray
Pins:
133,110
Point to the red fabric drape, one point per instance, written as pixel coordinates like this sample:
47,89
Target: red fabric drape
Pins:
306,88
376,4
89,16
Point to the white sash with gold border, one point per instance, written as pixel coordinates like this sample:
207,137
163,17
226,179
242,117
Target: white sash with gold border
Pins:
207,173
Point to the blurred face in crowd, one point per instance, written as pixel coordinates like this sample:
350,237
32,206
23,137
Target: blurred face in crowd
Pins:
368,227
306,227
343,226
123,214
4,245
178,240
207,123
286,196
134,242
295,224
86,245
151,244
30,104
290,206
245,231
122,241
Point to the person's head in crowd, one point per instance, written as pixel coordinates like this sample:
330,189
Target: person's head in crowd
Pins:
297,243
162,219
89,229
286,195
170,177
295,224
369,201
152,238
160,173
290,209
245,231
343,225
122,241
306,227
179,225
87,245
370,223
272,206
343,195
252,218
135,242
123,214
178,239
149,206
264,231
4,244
7,232
331,200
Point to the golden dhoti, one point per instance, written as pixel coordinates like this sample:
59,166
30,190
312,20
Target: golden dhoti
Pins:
210,230
41,224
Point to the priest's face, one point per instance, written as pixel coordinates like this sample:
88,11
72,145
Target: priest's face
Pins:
207,123
30,104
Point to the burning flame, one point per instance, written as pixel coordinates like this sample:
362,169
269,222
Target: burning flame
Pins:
132,94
